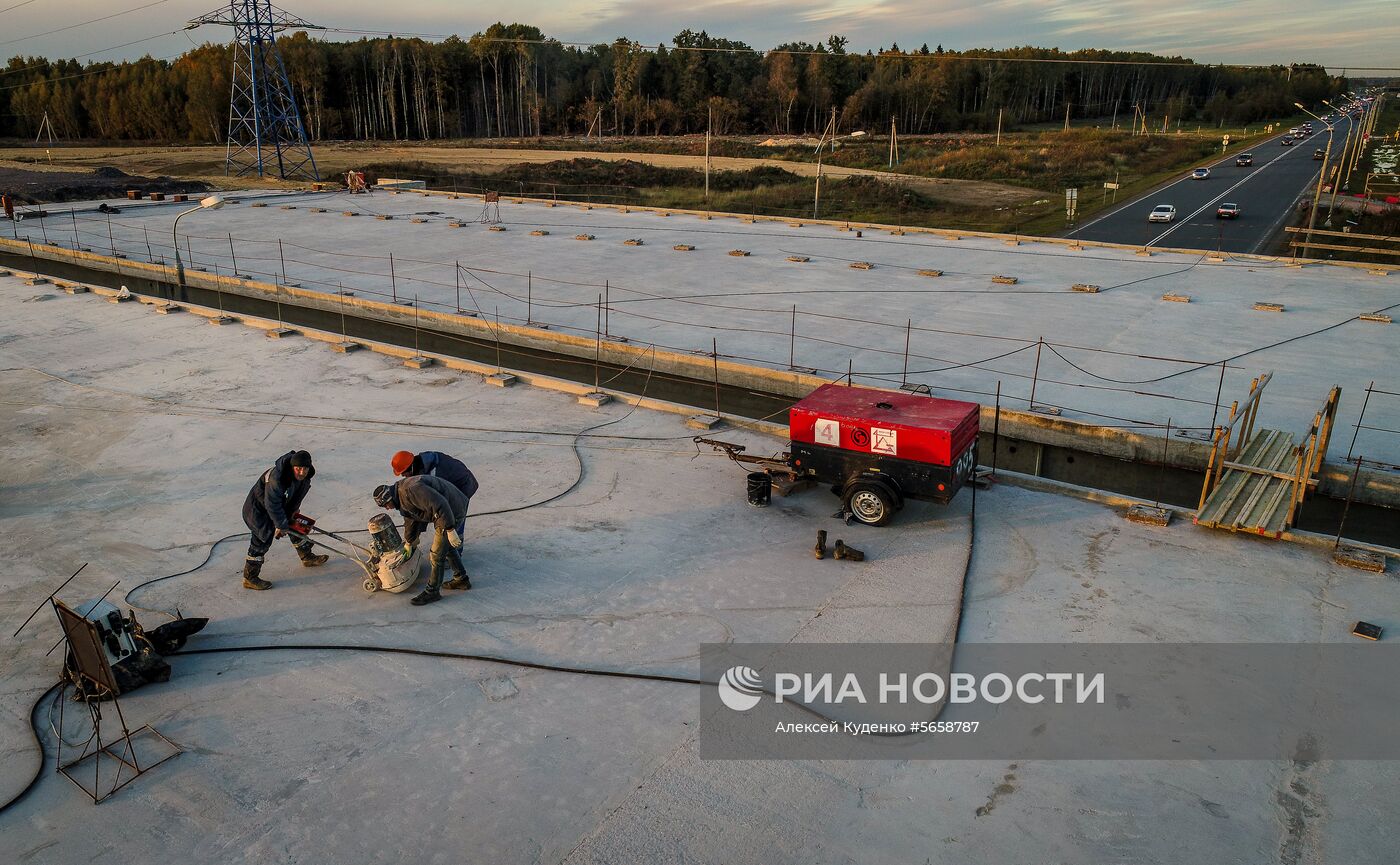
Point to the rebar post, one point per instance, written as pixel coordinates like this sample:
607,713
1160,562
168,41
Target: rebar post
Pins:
714,346
1351,491
1361,419
1035,373
996,429
908,329
792,340
1161,469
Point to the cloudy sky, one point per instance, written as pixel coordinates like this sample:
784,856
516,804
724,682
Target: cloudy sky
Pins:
1344,34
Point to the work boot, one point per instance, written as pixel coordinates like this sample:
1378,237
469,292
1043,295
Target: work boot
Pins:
431,592
308,558
847,553
251,580
820,549
460,581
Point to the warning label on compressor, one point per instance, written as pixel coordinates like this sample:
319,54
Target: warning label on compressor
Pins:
885,441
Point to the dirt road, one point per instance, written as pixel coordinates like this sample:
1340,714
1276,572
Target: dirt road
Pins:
206,164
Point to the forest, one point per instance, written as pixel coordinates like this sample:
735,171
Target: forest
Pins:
513,82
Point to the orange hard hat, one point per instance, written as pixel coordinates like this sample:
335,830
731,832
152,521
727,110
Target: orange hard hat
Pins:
401,462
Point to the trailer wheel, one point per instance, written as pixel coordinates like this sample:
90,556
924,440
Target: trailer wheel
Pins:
870,504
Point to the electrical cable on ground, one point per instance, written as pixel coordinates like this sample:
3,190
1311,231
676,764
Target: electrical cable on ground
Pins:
464,656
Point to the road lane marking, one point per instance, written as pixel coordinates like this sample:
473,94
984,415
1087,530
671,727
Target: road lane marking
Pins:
1138,201
1156,240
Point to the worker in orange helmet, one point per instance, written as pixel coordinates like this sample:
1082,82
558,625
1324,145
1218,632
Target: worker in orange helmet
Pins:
406,464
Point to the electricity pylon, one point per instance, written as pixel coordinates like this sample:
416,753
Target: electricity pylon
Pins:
265,132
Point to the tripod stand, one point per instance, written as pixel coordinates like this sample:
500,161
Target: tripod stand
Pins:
95,683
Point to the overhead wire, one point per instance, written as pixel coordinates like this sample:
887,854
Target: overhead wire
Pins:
84,23
50,64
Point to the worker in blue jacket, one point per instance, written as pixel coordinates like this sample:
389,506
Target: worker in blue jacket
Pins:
439,465
268,511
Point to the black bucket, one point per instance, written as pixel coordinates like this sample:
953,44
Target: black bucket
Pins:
760,489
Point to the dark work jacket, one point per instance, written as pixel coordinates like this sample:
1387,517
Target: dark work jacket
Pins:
277,494
425,499
448,468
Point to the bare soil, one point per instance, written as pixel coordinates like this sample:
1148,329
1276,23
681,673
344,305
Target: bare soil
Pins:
205,163
36,184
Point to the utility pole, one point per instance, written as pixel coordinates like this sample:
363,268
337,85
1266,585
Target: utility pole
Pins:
1067,105
833,129
709,123
999,127
1317,194
817,197
45,126
894,145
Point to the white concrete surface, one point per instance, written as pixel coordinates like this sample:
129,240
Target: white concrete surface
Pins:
963,324
142,454
129,441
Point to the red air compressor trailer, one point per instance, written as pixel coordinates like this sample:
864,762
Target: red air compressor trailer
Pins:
876,448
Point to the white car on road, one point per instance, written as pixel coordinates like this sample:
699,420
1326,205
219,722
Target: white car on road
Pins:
1162,213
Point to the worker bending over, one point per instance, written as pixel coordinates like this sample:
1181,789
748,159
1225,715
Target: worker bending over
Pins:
422,500
268,510
439,465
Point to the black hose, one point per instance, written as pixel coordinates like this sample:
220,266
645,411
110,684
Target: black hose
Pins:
39,742
459,656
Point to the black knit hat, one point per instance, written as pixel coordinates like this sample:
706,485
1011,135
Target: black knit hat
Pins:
384,495
301,460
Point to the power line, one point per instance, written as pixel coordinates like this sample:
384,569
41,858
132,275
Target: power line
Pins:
16,6
84,23
91,53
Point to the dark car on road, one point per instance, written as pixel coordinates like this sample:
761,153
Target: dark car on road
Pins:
1318,154
1244,160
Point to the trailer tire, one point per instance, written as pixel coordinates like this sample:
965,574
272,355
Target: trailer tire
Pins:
869,503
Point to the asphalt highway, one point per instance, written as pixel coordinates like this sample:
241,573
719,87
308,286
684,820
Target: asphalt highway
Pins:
1264,191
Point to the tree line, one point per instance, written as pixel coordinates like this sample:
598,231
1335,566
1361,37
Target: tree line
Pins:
511,81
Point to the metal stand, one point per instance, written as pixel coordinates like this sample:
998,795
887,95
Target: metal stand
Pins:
96,683
490,209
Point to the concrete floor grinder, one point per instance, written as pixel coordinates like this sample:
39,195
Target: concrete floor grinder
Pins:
384,563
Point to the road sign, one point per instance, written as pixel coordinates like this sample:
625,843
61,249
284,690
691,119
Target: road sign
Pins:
1110,185
1071,203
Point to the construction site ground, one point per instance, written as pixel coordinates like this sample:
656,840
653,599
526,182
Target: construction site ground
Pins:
130,439
206,163
777,293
